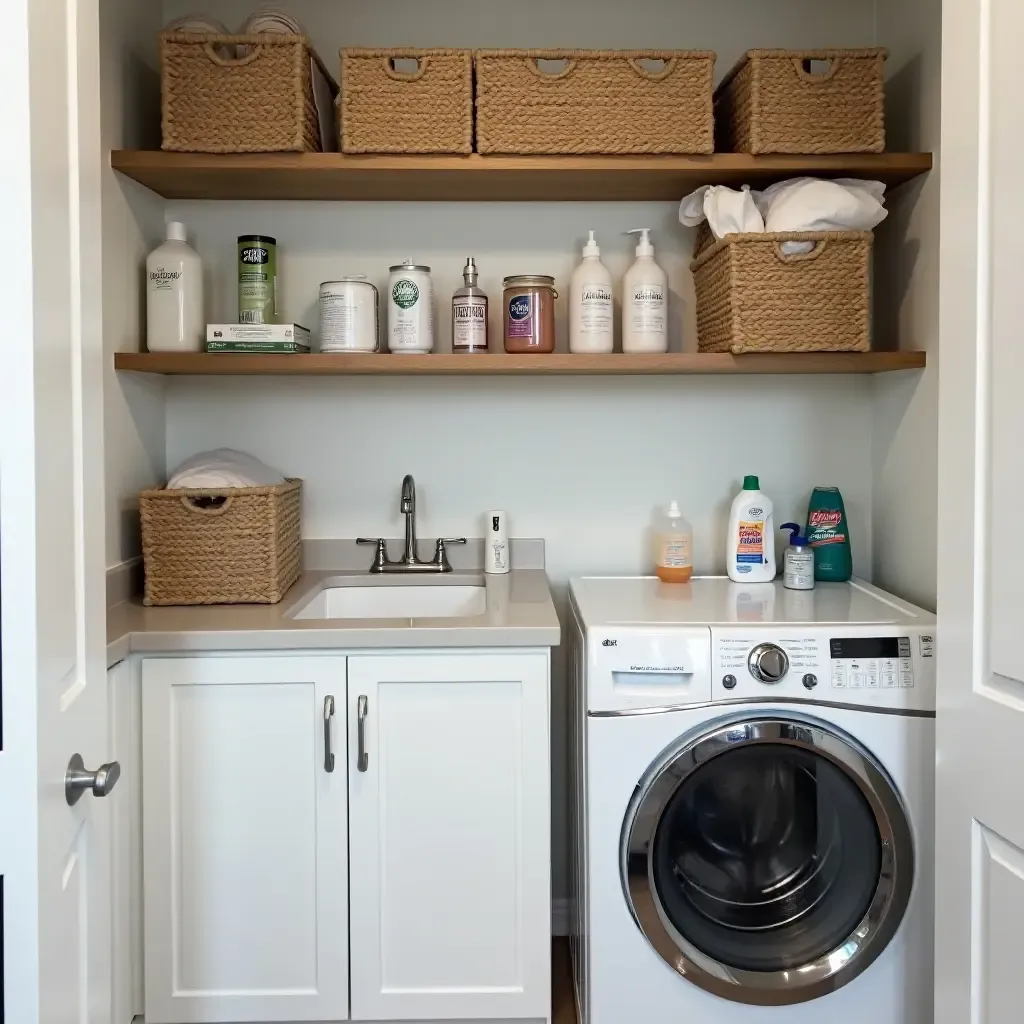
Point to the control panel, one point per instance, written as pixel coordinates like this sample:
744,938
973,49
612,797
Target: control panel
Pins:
871,662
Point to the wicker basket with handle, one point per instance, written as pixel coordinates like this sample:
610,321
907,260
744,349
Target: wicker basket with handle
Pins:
388,110
753,297
239,93
775,101
601,101
237,545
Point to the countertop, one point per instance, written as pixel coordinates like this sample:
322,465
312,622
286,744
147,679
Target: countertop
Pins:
519,613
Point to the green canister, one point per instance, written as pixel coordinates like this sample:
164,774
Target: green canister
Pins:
257,279
828,533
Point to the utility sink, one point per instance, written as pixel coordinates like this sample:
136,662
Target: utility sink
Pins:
402,601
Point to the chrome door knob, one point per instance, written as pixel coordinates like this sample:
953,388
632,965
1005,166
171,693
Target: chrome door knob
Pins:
77,780
768,663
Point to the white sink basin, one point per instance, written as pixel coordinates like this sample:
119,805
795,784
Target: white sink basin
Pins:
416,601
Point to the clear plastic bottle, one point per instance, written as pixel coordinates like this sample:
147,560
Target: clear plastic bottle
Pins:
673,545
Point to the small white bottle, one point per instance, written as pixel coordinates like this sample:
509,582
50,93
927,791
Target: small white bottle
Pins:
496,543
591,320
174,295
673,546
644,301
797,560
750,549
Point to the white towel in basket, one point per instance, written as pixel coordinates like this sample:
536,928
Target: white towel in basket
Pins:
224,467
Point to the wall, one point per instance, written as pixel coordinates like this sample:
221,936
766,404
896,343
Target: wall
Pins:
132,224
905,405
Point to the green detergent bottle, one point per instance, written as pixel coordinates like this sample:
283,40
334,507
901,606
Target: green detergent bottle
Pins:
829,534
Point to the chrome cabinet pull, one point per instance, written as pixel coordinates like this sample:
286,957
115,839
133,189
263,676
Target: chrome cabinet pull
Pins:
328,715
78,781
362,709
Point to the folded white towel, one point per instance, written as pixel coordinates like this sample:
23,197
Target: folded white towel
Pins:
197,23
270,19
224,467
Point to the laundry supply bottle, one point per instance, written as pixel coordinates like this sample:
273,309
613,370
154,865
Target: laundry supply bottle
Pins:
797,560
590,303
750,553
673,545
174,295
644,301
829,534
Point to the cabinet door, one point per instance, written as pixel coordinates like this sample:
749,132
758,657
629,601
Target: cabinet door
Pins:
450,836
244,840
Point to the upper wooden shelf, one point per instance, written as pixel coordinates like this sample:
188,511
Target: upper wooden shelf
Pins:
514,178
446,364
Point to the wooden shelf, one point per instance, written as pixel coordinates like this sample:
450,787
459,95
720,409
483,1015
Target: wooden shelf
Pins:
446,364
334,176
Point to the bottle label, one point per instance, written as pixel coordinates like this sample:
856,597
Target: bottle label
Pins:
825,526
596,309
520,316
675,553
799,570
647,309
750,545
163,280
469,323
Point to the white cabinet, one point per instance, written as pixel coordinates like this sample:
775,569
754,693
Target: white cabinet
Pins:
245,840
450,836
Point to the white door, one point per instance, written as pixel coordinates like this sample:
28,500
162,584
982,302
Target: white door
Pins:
245,861
980,785
54,858
449,836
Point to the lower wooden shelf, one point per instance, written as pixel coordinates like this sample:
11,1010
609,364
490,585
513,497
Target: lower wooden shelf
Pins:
447,364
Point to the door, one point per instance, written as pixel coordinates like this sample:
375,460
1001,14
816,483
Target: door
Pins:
450,836
768,858
54,857
980,723
245,839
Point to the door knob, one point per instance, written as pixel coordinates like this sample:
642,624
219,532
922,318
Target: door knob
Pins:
77,780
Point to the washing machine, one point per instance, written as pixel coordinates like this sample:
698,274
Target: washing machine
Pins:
753,803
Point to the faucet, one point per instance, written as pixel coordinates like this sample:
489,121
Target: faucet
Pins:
410,561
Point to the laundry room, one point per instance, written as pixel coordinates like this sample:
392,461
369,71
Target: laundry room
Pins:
506,488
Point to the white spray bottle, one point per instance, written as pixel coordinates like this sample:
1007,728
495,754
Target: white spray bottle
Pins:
644,300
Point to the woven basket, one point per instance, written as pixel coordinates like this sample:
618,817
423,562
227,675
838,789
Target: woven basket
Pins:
602,101
244,550
772,102
751,297
259,102
384,110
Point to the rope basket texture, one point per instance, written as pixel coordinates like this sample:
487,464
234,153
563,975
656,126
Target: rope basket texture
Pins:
385,109
753,297
803,101
237,545
239,93
597,101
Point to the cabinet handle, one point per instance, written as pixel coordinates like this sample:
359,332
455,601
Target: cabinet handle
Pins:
328,715
362,708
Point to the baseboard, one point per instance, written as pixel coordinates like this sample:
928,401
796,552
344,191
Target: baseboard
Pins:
560,917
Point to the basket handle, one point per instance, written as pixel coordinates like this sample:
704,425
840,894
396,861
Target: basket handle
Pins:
187,502
653,76
232,62
533,63
405,76
803,69
800,257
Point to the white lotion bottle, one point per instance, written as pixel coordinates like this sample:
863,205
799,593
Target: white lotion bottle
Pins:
591,319
750,552
644,301
174,295
496,544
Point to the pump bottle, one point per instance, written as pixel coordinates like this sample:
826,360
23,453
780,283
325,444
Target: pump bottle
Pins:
590,303
644,301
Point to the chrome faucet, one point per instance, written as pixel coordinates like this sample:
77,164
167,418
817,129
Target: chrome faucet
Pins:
410,561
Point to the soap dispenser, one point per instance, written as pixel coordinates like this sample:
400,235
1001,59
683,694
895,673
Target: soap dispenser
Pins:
644,301
590,304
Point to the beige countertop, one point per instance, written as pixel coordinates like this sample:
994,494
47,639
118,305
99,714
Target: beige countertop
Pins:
519,613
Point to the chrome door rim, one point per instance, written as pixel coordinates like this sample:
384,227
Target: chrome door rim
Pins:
839,965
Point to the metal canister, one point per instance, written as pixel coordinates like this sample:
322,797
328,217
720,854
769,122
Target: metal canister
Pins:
349,316
410,308
257,279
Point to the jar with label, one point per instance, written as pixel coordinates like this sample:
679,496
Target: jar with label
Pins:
410,309
529,313
349,315
257,279
469,313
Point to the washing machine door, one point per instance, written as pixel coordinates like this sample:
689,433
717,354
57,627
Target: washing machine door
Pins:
767,859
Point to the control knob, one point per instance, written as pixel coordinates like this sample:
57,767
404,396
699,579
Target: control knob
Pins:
768,663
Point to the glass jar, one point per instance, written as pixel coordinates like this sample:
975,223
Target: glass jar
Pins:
529,313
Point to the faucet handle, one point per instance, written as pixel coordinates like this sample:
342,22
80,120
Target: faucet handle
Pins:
380,556
441,556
